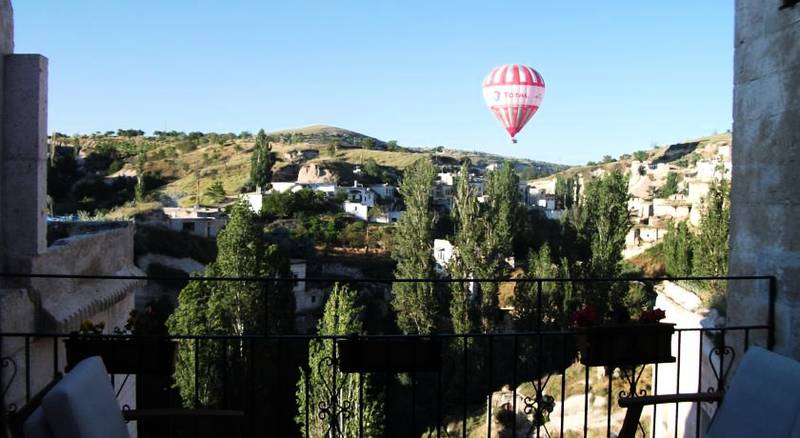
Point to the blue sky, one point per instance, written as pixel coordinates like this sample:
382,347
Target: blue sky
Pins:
620,75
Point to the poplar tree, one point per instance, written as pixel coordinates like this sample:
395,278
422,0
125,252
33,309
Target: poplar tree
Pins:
261,163
711,242
415,303
467,242
604,221
238,308
678,250
502,213
318,387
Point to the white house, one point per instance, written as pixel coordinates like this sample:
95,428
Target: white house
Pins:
442,253
640,207
547,203
359,194
254,199
357,209
447,178
387,217
678,210
203,222
305,299
384,191
327,188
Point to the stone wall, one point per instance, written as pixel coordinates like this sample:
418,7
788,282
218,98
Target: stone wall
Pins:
765,197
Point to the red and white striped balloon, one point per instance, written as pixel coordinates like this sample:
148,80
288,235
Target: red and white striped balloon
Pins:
513,92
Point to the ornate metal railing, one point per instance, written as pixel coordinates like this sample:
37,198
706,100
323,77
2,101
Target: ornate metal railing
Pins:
444,384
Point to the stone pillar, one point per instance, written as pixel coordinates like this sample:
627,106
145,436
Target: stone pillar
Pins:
765,197
24,156
6,47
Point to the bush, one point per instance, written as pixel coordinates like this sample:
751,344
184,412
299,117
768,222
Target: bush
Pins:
354,235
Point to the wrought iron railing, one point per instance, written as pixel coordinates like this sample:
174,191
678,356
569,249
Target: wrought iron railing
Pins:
394,385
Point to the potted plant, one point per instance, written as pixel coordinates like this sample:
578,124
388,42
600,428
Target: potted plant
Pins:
129,351
623,342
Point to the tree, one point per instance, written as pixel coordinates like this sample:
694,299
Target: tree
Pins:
678,250
641,155
670,186
469,230
504,215
391,145
261,163
318,385
604,222
556,299
711,242
216,192
237,308
566,190
372,169
415,303
141,159
366,143
331,148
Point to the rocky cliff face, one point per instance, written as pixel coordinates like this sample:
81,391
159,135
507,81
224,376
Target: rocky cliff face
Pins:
314,173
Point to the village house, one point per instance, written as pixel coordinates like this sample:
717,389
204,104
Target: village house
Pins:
442,253
200,221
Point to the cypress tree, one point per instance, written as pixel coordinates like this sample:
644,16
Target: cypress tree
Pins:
316,387
415,303
261,163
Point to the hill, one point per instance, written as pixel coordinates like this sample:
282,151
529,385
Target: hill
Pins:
179,165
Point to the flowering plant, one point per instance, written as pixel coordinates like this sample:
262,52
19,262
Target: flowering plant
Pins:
653,315
585,316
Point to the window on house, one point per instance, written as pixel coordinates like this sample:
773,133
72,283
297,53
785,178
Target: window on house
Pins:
188,226
313,298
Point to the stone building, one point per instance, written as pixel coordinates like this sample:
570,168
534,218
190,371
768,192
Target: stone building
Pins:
46,305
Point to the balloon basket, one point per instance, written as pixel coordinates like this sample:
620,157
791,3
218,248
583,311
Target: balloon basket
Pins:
514,140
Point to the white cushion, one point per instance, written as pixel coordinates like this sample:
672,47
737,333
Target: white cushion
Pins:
763,399
36,425
83,405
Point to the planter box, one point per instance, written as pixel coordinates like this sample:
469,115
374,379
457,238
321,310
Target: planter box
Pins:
626,344
389,355
124,355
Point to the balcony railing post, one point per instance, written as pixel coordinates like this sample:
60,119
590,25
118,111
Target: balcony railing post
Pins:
773,292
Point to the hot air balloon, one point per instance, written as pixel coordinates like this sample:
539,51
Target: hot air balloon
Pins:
513,92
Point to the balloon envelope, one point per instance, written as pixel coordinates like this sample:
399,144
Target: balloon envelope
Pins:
513,92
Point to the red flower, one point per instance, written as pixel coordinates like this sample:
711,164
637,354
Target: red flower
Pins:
654,315
585,317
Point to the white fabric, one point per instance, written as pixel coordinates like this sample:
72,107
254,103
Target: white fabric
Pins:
83,405
763,399
36,426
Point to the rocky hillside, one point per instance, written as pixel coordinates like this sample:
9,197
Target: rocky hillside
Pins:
649,169
182,165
